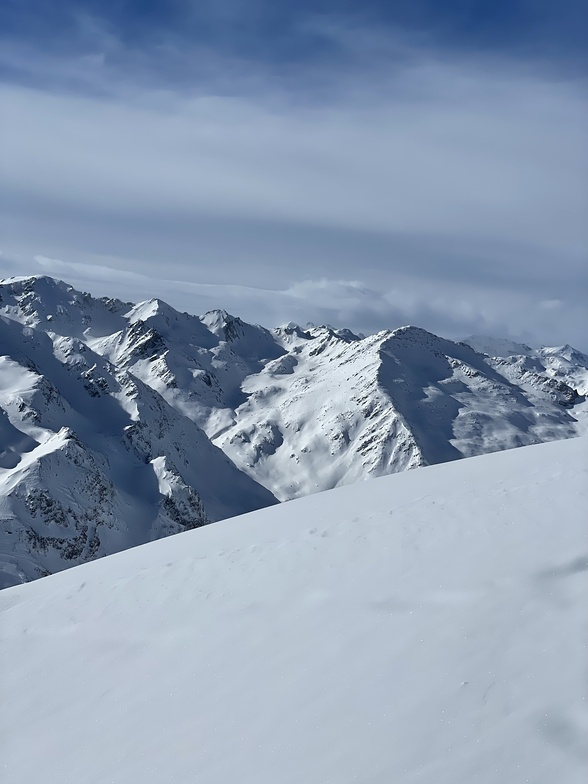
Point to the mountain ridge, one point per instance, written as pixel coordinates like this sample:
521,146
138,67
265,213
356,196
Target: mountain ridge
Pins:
186,419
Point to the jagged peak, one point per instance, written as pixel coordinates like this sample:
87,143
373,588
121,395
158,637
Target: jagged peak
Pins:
23,284
429,340
329,332
43,285
322,330
413,337
223,324
347,335
291,328
50,295
229,327
19,279
218,316
412,332
149,308
566,351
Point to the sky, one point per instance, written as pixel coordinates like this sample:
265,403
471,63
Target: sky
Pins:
366,165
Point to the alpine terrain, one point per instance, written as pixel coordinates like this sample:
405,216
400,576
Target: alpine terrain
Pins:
425,627
122,423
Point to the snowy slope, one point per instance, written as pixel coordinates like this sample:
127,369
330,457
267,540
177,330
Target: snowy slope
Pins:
425,627
114,416
333,411
559,362
93,461
306,410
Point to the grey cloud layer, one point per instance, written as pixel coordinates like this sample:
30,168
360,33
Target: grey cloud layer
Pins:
452,309
456,192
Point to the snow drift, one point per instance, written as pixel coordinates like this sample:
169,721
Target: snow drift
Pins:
424,627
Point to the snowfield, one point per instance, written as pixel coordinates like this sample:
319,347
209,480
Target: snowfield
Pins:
424,627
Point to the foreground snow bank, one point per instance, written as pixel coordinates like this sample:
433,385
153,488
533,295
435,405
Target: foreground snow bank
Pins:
424,627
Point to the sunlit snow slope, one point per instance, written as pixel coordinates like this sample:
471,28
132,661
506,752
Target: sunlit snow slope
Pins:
425,627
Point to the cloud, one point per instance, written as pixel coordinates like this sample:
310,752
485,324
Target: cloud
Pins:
456,154
411,185
453,311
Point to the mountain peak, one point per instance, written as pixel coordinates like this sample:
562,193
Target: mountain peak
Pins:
151,308
33,279
42,285
413,333
169,408
38,300
221,322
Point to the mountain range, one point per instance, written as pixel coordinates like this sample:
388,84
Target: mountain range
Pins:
122,423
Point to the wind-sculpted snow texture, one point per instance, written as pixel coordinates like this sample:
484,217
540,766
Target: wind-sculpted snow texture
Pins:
123,423
426,627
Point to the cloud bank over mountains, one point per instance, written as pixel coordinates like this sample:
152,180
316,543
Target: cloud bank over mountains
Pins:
387,179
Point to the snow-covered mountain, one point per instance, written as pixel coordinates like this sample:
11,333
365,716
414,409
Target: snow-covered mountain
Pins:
335,409
426,627
559,362
121,423
93,461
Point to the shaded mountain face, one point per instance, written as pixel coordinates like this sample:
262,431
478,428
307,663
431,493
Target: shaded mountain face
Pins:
92,460
123,423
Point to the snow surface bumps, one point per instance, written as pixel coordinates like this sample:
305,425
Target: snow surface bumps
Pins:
423,627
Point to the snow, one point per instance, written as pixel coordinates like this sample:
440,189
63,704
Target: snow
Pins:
424,627
182,419
561,362
93,461
497,347
333,411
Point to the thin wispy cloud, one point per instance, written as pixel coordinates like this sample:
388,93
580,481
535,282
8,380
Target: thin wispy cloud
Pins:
392,180
456,311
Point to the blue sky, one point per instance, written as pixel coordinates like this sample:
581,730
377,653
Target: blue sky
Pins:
283,31
367,164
